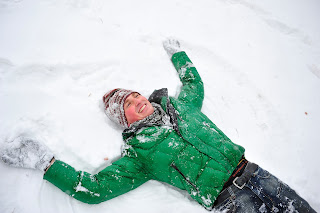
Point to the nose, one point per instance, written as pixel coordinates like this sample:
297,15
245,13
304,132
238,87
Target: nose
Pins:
138,101
134,101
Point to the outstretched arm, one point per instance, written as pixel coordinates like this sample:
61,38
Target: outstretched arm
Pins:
192,86
122,176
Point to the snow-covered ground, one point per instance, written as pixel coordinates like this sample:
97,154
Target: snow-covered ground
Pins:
259,60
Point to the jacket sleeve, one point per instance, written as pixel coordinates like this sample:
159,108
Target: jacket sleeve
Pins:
192,86
122,176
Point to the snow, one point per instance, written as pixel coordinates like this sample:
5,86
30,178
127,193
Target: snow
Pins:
259,61
263,208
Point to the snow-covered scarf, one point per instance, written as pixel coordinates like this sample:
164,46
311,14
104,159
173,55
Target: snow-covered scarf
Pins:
158,118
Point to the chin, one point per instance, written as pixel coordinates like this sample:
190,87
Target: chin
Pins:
150,110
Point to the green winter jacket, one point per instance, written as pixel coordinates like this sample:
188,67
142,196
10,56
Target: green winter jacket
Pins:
196,156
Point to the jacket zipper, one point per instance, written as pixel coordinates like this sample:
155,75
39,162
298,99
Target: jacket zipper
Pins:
184,177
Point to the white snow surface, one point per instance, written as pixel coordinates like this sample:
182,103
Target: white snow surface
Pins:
259,61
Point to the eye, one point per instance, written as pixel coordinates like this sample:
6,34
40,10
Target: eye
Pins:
137,95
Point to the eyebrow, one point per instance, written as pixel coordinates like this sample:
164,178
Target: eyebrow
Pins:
128,97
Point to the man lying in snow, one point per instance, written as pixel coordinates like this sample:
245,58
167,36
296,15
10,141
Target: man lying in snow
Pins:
170,140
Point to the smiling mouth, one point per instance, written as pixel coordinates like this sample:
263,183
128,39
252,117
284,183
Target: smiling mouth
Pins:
142,108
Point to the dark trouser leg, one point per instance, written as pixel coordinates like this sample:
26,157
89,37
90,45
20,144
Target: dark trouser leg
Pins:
264,193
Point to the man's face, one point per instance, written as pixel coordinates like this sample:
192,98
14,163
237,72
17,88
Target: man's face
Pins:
136,107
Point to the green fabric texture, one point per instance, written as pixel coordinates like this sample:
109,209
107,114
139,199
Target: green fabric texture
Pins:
122,176
200,160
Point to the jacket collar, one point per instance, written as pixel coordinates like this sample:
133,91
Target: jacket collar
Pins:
157,95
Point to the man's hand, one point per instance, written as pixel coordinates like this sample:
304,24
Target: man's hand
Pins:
172,46
26,153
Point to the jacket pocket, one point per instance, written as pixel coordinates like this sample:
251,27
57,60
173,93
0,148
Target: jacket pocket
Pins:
184,177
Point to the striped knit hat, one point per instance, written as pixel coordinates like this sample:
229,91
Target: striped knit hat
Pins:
114,101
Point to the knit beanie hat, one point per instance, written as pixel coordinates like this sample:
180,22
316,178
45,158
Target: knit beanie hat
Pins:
114,101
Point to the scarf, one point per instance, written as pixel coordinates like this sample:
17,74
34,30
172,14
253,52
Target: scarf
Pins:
158,118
